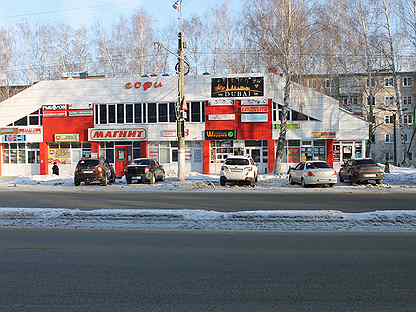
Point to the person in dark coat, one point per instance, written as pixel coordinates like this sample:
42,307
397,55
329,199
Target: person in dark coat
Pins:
55,169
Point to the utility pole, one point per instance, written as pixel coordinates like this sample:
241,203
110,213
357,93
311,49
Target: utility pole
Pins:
395,139
180,108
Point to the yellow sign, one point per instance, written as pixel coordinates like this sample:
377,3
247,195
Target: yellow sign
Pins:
59,155
73,137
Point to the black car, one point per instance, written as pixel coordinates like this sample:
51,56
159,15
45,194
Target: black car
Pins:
144,170
94,171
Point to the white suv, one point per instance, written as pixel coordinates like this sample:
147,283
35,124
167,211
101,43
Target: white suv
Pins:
239,169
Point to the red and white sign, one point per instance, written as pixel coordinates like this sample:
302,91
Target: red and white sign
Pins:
220,102
254,109
251,102
221,117
135,134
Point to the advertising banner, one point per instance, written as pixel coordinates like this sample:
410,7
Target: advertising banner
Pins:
73,137
237,87
254,109
221,117
324,134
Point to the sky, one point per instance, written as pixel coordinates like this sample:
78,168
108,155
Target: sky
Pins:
86,12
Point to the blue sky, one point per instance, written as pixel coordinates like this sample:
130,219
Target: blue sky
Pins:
86,12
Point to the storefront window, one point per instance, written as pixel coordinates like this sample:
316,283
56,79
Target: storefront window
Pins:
293,151
6,152
103,114
164,152
319,150
195,111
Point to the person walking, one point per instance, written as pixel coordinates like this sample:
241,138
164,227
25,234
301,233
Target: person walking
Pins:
55,169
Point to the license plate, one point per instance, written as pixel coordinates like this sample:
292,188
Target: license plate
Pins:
88,171
370,175
136,178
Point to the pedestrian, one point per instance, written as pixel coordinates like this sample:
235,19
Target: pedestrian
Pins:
55,169
386,167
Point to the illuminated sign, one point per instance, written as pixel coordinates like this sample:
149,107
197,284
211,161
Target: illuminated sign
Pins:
221,117
145,86
135,134
220,134
237,87
251,102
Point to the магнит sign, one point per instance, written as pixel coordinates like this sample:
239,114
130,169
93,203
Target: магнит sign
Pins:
220,134
136,134
235,87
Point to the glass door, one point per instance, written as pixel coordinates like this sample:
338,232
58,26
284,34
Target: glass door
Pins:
122,160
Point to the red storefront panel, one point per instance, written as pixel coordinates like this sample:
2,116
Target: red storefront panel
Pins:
67,125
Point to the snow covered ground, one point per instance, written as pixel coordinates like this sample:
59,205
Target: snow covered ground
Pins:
131,219
400,179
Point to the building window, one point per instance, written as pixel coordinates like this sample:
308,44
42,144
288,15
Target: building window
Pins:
388,156
405,138
195,111
388,100
407,81
34,118
388,138
120,113
103,114
163,112
388,82
138,113
151,113
21,153
129,113
407,100
407,119
21,122
389,119
410,155
111,114
371,83
172,112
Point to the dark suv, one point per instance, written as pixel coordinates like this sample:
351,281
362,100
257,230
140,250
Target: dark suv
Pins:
361,170
94,171
144,170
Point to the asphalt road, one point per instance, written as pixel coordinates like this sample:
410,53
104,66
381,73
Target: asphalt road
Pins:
219,201
200,271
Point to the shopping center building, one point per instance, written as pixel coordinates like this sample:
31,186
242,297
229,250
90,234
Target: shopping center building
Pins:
121,119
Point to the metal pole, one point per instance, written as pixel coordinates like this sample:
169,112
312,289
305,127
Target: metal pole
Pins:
180,112
395,139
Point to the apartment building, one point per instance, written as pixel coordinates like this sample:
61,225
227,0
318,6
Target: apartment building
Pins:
352,91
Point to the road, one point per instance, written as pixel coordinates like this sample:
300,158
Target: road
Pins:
206,271
219,201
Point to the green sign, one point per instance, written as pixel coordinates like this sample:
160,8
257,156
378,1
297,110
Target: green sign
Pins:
290,126
220,134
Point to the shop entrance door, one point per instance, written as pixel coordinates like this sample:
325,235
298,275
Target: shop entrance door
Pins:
121,160
259,158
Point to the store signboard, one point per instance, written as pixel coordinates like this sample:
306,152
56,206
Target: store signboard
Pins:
80,113
72,137
171,133
33,134
221,102
252,102
134,134
324,134
290,126
220,134
237,87
254,117
62,156
14,138
221,117
254,109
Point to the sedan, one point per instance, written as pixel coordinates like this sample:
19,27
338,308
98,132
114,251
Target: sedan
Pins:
144,170
313,173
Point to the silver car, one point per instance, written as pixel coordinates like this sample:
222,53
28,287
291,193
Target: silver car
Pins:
312,173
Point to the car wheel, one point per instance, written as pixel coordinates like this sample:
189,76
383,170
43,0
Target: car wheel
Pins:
128,180
77,182
302,182
291,182
331,185
252,182
256,179
163,177
223,181
104,181
152,179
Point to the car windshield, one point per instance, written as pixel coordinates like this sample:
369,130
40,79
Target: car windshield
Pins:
317,165
365,162
89,162
237,162
142,162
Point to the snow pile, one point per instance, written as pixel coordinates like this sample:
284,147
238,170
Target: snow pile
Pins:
330,220
401,176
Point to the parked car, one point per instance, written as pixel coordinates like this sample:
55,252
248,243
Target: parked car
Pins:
94,171
312,173
361,171
144,170
239,169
